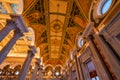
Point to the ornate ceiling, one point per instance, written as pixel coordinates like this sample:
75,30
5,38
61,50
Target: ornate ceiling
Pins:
56,24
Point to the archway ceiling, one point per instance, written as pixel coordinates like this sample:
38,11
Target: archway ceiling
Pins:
56,24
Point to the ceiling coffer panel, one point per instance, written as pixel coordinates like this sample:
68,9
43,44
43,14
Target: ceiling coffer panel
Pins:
57,10
56,24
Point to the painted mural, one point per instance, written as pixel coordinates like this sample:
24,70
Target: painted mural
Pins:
2,9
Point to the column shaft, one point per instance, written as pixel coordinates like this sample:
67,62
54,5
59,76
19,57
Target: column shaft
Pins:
37,64
4,32
9,45
40,74
26,65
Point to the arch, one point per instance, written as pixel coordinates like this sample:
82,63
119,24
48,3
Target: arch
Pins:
12,66
58,70
48,66
59,66
3,65
91,10
18,66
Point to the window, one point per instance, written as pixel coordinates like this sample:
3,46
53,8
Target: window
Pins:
91,71
80,42
104,7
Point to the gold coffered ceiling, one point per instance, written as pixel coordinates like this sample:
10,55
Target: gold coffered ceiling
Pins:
57,12
56,24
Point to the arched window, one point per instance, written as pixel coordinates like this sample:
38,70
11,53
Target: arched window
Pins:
80,42
104,6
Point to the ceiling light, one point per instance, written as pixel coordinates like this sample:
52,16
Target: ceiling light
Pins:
57,73
17,72
0,72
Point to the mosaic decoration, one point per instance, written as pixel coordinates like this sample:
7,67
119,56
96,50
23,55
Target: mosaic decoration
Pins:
85,5
2,9
15,7
35,15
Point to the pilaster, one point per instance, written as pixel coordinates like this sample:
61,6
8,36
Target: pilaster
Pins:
109,57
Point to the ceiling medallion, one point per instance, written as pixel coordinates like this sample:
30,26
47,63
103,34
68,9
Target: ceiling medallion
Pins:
56,26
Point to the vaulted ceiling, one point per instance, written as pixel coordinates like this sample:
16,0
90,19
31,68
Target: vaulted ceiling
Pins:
56,24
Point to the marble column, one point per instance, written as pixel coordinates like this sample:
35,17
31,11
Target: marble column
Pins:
10,25
37,64
109,57
16,22
5,50
102,73
27,63
40,73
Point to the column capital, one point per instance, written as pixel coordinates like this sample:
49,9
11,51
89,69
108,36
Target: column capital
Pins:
32,51
18,32
19,22
38,61
88,29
